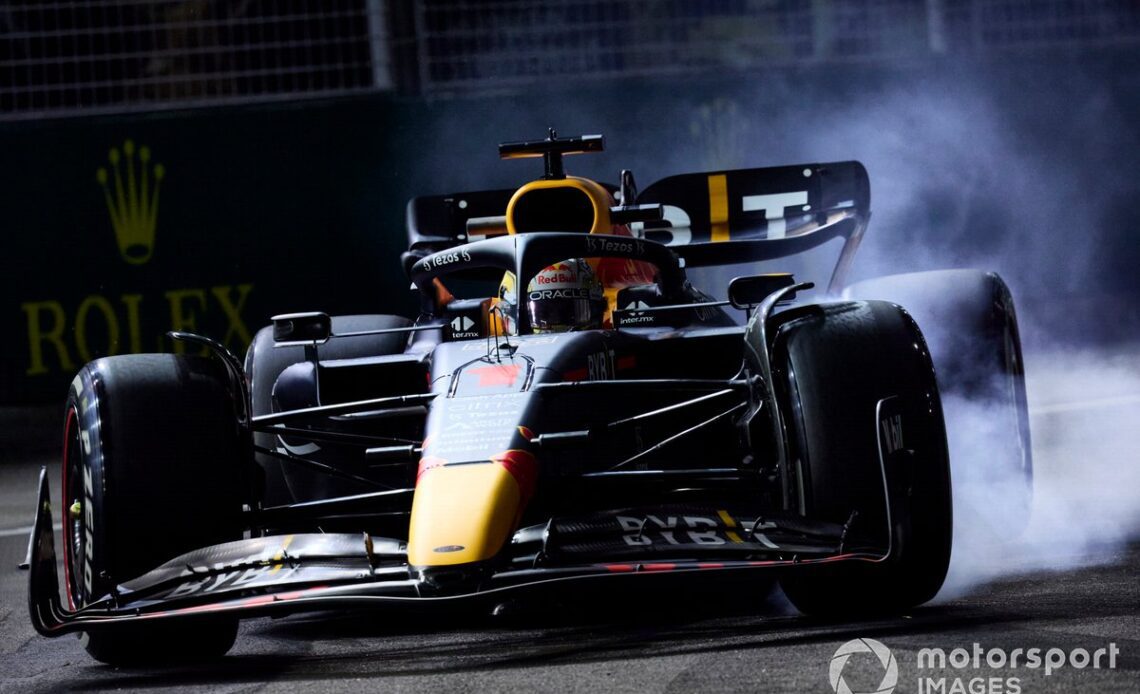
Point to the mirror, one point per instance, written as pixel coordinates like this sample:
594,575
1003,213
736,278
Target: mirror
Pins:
749,290
301,328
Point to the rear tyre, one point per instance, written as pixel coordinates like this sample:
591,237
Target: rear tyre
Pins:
862,414
971,326
264,363
154,466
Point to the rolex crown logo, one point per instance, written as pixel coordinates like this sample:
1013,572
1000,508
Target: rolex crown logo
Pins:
132,199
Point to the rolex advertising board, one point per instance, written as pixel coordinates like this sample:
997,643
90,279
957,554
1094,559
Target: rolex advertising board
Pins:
123,228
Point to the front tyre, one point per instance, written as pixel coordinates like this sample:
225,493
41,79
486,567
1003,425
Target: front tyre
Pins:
868,444
154,466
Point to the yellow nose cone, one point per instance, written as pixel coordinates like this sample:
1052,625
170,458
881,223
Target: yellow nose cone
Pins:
462,514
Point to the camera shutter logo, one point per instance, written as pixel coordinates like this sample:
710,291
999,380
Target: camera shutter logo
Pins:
880,651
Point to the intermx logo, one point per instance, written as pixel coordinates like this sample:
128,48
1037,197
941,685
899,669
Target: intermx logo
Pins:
131,195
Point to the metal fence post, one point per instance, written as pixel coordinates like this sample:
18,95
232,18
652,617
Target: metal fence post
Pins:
378,44
936,26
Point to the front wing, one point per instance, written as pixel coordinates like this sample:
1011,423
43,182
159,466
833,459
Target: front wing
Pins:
305,572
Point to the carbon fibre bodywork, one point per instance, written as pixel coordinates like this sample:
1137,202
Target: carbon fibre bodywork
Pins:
283,574
475,465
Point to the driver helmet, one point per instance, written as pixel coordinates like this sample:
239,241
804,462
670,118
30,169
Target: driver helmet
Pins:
562,297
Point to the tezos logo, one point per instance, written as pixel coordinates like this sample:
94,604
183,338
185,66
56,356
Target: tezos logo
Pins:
597,244
844,652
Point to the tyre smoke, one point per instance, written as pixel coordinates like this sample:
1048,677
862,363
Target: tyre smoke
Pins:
1084,406
1023,167
968,169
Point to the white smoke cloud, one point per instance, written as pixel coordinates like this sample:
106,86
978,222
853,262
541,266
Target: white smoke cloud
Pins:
1011,170
1085,407
961,178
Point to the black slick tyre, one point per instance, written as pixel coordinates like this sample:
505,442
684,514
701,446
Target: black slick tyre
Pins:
867,441
154,466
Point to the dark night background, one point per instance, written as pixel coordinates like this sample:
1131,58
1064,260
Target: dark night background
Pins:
998,134
290,134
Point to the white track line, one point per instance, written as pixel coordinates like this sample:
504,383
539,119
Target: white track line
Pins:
1093,404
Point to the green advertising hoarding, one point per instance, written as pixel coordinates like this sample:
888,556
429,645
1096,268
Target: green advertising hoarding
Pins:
119,229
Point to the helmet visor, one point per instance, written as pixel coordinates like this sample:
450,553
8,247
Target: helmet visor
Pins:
560,310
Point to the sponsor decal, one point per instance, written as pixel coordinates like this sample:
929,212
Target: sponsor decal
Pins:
66,332
222,579
523,468
892,432
610,244
890,425
447,258
88,526
131,196
672,230
242,571
475,428
600,365
62,335
461,327
523,341
773,207
632,315
497,375
567,293
643,531
556,277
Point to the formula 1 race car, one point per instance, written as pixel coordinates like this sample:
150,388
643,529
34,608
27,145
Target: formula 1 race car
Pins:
567,412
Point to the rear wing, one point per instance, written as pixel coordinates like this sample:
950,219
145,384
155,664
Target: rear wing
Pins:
710,218
724,217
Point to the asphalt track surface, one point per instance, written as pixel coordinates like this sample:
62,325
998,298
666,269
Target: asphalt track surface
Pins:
1066,595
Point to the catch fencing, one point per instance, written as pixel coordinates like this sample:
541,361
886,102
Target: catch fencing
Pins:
70,57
